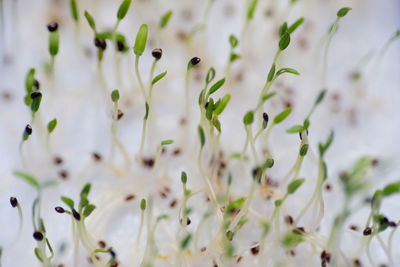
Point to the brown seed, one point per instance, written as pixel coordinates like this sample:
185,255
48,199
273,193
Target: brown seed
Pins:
63,174
102,244
120,114
292,253
96,156
375,162
367,231
239,259
176,152
289,219
58,160
357,263
129,197
328,187
173,203
148,162
203,249
354,227
255,250
163,195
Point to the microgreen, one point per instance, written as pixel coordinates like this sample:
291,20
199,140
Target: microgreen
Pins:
51,125
123,9
74,10
141,39
165,19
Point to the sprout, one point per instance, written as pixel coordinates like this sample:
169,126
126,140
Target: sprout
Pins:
143,204
165,19
293,186
90,20
343,11
282,116
123,9
74,10
248,118
183,177
284,41
141,39
115,95
51,125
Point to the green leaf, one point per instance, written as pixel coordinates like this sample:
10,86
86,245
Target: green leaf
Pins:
37,253
323,147
268,96
86,189
282,116
343,11
233,57
271,73
50,248
235,205
278,202
320,97
391,189
210,109
286,70
143,204
54,42
217,124
202,136
295,129
183,177
284,41
185,241
293,186
216,86
123,9
36,102
303,150
222,105
248,118
165,19
167,142
30,81
88,210
210,75
233,41
28,178
115,95
90,20
291,240
51,125
141,39
69,202
104,35
146,115
283,29
158,77
74,10
295,25
251,9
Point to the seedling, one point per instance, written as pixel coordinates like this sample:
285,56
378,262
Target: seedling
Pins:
54,43
117,115
340,14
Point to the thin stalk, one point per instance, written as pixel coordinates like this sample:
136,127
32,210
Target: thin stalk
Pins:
325,57
142,88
